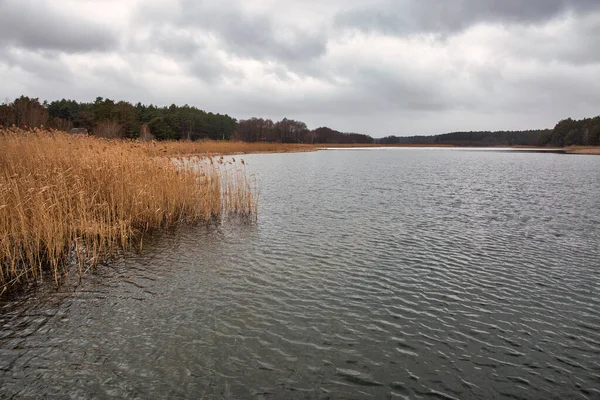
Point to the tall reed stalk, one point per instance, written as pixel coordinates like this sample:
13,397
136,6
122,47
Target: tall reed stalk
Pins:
80,199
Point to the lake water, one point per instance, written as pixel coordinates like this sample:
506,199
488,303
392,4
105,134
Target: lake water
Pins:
399,273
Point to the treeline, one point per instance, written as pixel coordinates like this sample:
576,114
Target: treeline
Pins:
290,131
107,118
569,132
110,119
484,138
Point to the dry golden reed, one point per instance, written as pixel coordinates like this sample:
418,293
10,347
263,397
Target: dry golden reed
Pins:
184,148
218,147
67,198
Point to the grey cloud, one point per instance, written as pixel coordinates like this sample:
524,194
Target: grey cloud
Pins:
444,17
371,91
244,34
36,25
573,45
207,70
258,37
44,66
485,92
392,90
210,69
176,44
188,48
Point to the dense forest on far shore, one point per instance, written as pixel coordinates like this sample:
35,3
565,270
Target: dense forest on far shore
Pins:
110,119
500,138
568,132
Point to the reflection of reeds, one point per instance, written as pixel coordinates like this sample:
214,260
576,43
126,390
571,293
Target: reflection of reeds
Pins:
81,198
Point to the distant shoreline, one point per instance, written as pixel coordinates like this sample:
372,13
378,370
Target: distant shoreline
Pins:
241,148
589,150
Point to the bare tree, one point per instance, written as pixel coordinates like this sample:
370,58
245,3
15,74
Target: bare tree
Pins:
108,129
145,134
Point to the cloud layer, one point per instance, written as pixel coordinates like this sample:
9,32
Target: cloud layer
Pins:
378,67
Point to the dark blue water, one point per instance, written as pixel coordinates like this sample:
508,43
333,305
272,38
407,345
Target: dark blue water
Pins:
405,273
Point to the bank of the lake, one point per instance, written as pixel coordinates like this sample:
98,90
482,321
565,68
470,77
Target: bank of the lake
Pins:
590,150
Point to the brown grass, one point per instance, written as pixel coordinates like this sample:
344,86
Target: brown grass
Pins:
66,199
583,150
216,147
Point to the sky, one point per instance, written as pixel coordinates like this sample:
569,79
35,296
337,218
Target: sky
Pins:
380,67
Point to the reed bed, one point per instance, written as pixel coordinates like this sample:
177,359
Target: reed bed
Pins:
77,199
217,147
240,189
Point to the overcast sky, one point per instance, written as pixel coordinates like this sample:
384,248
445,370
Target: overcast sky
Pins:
379,67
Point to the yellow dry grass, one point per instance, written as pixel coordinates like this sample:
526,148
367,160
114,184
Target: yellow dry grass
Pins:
595,150
217,147
214,147
67,199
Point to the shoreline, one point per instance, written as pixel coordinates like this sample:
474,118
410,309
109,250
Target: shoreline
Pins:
586,150
302,148
564,150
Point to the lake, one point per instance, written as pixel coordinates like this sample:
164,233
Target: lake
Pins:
380,273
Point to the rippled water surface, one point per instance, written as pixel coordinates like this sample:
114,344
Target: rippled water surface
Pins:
426,274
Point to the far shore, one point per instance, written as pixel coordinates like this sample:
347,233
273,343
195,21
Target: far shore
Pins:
566,150
583,150
594,150
257,148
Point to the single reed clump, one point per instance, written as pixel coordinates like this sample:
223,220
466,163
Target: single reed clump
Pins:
65,198
240,191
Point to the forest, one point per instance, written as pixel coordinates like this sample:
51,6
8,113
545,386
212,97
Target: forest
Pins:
568,132
483,138
110,119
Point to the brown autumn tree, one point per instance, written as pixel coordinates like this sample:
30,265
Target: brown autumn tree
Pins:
24,112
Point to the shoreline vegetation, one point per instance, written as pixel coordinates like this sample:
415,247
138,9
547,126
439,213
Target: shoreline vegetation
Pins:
107,118
186,148
77,200
589,150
